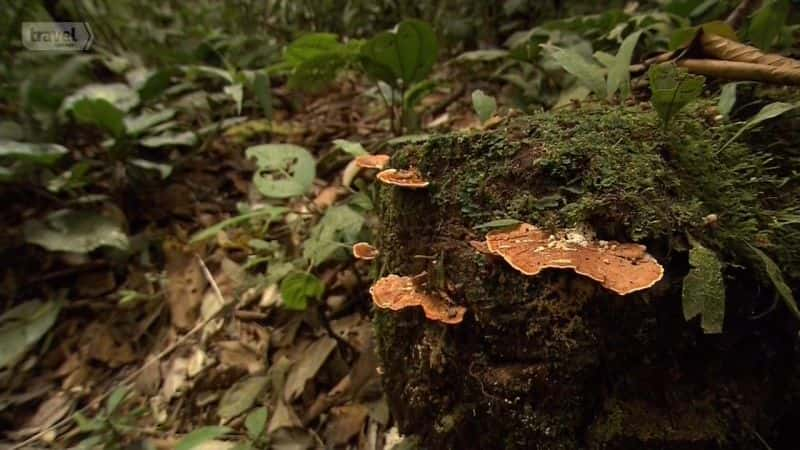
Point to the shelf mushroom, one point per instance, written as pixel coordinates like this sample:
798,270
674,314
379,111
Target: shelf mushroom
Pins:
410,179
621,268
373,161
395,292
365,251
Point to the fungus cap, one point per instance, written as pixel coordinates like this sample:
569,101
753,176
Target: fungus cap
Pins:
372,161
410,179
365,251
622,268
395,293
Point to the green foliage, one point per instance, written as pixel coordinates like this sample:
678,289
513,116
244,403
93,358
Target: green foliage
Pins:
200,436
767,22
401,57
671,89
588,73
20,158
682,37
727,99
22,326
107,429
353,149
619,76
495,224
283,170
333,235
776,277
101,113
266,214
704,290
255,423
75,231
298,288
768,112
484,105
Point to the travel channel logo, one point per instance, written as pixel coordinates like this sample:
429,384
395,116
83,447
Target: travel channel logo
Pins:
57,36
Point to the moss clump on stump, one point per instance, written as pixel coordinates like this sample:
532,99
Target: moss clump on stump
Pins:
555,361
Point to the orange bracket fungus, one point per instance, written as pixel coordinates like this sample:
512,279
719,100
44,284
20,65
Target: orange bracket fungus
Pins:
373,161
622,268
365,251
395,293
410,179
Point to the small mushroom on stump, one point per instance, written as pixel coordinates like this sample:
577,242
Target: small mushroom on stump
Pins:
365,251
410,179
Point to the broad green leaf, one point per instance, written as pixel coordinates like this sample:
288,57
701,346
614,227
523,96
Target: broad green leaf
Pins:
318,72
776,277
354,149
768,112
184,139
87,425
416,93
156,84
619,74
255,422
482,55
297,288
22,326
75,231
115,399
310,46
209,71
10,131
767,23
135,125
672,89
403,56
727,99
283,170
265,213
118,94
484,105
163,170
100,113
499,223
261,87
334,234
241,396
589,74
200,436
38,154
704,290
236,91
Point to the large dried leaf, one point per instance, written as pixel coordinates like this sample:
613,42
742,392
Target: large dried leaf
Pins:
307,367
185,285
704,290
725,49
344,423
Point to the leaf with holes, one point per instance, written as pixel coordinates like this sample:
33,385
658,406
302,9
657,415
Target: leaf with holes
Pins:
672,88
283,170
704,290
75,231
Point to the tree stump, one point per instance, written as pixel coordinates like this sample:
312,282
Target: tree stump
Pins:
556,361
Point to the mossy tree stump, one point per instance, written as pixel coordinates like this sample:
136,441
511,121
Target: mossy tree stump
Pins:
556,361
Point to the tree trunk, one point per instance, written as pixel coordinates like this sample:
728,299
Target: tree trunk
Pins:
556,361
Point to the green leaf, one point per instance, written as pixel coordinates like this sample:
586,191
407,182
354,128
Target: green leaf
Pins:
261,86
115,399
499,223
727,99
135,125
704,290
156,84
88,425
335,232
354,149
589,74
38,154
284,170
184,139
484,105
310,46
236,91
403,56
163,170
776,277
75,231
297,288
266,213
768,112
483,55
119,95
682,37
241,396
201,436
318,72
767,23
672,89
619,74
100,113
22,326
255,422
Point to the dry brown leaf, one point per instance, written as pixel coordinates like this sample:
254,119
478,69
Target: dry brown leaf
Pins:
283,417
48,413
185,285
344,423
307,367
237,354
729,50
100,344
742,71
328,196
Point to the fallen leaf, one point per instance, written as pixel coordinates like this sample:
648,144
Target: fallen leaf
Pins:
237,354
47,414
344,423
283,417
185,285
241,397
307,367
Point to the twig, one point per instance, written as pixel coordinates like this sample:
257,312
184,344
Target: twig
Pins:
127,381
737,16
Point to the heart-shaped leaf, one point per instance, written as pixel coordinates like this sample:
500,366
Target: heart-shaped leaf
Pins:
403,56
284,170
